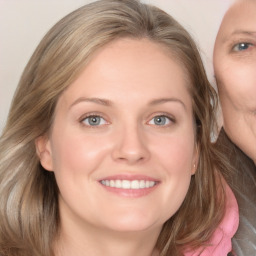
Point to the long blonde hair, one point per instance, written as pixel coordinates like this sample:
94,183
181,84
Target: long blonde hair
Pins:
29,217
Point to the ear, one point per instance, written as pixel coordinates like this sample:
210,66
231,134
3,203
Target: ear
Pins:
44,152
195,159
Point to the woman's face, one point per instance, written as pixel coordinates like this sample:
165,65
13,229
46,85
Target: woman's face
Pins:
122,144
235,69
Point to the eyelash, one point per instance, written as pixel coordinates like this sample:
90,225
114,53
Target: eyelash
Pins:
170,119
92,115
239,43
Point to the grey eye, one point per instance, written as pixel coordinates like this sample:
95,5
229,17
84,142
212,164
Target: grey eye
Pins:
160,120
94,120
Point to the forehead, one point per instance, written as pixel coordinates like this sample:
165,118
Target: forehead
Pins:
129,67
240,17
136,58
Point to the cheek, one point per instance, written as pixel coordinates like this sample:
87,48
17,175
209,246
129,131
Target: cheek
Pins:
237,82
177,160
176,154
76,155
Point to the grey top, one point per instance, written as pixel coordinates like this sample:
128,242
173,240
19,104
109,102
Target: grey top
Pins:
243,184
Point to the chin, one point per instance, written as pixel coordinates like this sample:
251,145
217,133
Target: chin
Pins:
134,223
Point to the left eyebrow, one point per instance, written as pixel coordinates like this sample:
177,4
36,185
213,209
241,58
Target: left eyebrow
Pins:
164,100
241,33
251,33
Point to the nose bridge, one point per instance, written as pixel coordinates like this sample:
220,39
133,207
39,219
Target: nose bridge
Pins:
131,143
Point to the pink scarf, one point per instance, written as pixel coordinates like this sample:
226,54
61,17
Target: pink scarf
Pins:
220,243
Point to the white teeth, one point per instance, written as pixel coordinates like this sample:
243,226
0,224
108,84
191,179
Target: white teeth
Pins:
112,184
135,184
142,184
118,183
128,184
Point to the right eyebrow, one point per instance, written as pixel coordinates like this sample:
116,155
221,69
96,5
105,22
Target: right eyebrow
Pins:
99,101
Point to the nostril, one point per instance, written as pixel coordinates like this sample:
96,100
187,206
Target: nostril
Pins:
130,155
131,145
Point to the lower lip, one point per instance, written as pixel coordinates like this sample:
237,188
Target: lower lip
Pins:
133,193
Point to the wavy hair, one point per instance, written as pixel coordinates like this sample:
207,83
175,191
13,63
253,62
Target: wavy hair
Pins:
29,215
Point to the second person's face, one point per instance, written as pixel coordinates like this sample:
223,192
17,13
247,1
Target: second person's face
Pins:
122,145
235,70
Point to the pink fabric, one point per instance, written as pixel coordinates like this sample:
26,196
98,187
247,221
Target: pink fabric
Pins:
220,243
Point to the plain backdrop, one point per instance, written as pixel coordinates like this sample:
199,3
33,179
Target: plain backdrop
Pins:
23,23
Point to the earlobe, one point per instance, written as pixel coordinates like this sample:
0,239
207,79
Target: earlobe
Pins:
195,160
194,168
43,150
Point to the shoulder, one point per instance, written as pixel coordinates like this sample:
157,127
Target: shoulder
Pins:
242,181
220,242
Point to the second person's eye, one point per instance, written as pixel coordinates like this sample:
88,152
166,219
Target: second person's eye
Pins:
241,47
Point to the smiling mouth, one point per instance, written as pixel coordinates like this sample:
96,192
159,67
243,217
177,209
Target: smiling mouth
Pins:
129,184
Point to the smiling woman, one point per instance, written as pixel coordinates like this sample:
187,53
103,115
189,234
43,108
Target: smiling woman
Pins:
123,143
107,149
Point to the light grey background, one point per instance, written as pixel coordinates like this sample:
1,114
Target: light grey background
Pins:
24,22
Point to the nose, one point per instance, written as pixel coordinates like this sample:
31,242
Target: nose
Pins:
131,146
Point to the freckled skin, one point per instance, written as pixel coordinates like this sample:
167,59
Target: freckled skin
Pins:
235,66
